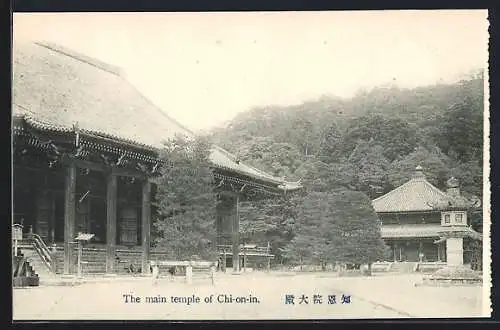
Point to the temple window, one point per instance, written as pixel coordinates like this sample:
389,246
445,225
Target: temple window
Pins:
458,218
447,218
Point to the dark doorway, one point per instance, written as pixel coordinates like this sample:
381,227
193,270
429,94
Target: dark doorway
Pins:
59,217
24,207
98,219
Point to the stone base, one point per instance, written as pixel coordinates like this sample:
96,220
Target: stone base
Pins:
20,282
110,275
453,276
352,273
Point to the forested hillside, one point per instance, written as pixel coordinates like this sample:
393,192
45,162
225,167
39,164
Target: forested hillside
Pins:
370,143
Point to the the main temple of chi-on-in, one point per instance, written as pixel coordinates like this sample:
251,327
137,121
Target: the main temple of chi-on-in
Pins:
427,227
85,152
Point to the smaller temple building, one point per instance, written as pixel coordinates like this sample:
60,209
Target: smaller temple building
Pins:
421,223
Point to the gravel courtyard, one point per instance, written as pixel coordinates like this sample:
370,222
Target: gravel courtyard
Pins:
387,296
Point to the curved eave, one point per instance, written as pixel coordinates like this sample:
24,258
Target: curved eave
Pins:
43,126
390,212
278,185
19,120
465,231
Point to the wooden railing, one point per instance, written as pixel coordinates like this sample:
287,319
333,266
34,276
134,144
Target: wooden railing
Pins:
257,250
43,250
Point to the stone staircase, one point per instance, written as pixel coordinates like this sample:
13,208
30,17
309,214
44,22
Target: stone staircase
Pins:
34,259
403,267
23,272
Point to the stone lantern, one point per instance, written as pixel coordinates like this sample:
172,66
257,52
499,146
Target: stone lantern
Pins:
454,224
454,229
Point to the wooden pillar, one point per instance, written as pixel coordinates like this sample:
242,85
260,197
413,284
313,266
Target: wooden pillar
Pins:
395,251
69,216
438,252
52,219
268,256
146,225
244,259
80,253
420,250
111,196
225,261
236,234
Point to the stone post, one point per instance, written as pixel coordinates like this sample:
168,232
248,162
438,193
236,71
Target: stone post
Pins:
455,251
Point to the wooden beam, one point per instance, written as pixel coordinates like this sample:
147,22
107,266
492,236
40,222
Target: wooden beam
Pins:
69,217
98,167
111,194
146,225
52,219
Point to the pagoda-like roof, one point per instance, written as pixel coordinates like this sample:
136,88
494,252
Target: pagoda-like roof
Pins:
55,89
417,195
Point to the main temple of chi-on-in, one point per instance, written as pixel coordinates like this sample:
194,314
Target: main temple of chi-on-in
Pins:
85,153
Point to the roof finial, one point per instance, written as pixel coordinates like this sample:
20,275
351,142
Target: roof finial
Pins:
453,187
452,183
419,174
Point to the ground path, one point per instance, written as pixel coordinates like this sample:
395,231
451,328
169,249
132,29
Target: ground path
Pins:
377,297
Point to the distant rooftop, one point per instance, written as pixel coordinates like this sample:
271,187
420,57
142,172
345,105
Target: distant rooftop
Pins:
416,195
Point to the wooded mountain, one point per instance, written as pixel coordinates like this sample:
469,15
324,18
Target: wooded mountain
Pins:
376,132
368,144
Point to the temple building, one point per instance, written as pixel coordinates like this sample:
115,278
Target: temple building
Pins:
421,223
85,153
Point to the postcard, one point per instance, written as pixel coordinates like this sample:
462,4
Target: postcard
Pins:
250,165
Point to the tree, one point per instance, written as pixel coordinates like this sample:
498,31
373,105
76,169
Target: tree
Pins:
370,167
185,199
310,244
461,127
330,142
359,227
396,135
269,220
337,226
278,158
315,175
470,176
435,164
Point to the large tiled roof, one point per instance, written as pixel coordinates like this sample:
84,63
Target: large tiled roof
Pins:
56,88
411,230
416,195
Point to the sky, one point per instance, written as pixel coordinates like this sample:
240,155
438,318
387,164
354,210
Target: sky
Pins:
204,68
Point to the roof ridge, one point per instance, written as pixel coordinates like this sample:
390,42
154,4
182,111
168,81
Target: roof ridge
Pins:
413,180
436,189
116,70
393,191
113,69
233,158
